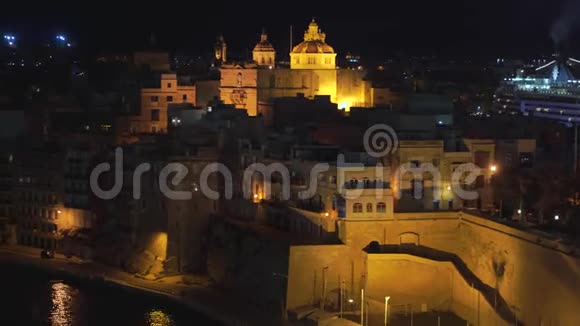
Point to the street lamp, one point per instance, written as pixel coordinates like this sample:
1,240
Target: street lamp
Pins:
386,309
362,306
493,168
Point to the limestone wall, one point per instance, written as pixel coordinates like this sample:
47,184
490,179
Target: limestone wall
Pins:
242,259
539,278
316,274
536,276
436,230
420,283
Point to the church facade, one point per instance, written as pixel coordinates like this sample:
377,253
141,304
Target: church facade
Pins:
313,71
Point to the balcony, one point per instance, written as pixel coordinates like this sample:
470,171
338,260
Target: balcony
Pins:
366,184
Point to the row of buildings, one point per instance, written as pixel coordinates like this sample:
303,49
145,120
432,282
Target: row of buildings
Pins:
364,225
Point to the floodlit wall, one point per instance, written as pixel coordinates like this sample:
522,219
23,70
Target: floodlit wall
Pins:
419,284
316,273
539,278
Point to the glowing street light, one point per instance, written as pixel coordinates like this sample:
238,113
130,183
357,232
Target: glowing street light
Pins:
556,217
519,212
493,168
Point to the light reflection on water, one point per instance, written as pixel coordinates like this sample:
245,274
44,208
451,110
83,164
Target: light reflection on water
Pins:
62,301
159,318
65,297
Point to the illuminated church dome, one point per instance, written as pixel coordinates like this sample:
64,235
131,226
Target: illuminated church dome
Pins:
264,53
313,52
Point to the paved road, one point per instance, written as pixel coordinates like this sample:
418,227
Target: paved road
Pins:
227,307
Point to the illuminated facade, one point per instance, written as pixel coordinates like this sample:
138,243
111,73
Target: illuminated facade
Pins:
313,52
220,50
264,53
312,71
155,102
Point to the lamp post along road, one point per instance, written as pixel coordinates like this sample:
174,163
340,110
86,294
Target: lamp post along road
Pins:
362,306
386,309
341,296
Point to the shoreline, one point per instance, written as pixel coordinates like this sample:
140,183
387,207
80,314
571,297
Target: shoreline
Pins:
94,276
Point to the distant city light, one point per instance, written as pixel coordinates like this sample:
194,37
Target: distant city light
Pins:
68,44
439,122
519,212
60,37
556,217
493,168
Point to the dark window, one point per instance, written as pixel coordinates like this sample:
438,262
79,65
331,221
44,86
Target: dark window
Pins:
526,160
381,207
357,208
480,181
169,98
417,187
508,160
184,97
155,115
154,98
168,85
482,159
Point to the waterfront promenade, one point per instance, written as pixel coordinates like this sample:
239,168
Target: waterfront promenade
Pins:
221,305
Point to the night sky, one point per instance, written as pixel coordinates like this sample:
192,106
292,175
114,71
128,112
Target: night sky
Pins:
456,28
